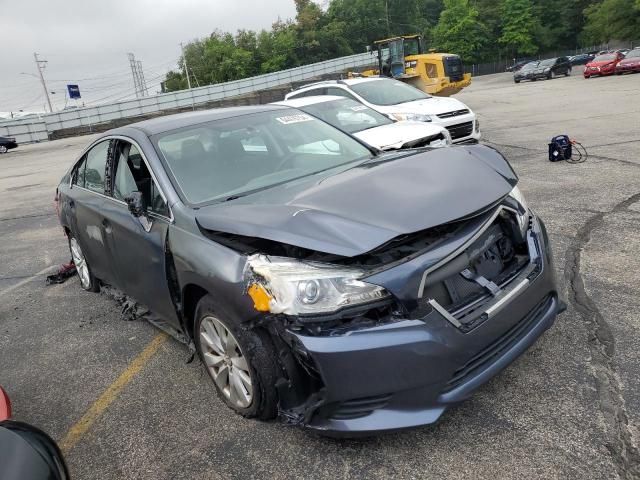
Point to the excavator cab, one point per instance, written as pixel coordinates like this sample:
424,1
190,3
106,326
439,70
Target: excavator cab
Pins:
404,58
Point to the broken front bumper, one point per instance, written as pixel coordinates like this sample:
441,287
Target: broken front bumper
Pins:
405,374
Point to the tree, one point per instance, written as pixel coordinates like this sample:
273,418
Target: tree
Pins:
518,27
460,31
612,19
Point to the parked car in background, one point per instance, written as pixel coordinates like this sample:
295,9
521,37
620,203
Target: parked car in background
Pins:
543,69
630,63
518,65
400,101
602,65
370,126
348,290
582,58
7,143
526,72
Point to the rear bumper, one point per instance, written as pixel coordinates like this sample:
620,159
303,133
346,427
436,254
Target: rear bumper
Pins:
407,373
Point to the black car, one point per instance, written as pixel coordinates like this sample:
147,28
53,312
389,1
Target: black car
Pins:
342,288
7,143
517,65
544,69
581,59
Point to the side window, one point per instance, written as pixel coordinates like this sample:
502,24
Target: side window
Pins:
132,175
78,175
340,93
95,166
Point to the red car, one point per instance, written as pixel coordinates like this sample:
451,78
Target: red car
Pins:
630,63
604,64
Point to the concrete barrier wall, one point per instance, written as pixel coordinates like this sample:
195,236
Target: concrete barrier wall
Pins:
90,118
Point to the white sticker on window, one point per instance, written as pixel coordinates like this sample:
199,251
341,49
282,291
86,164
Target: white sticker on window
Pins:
303,117
359,108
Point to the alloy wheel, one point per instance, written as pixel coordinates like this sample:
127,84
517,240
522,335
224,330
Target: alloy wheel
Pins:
226,362
80,262
3,149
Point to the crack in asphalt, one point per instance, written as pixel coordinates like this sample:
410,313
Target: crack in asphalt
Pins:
625,454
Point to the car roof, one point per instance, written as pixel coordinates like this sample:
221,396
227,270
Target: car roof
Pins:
312,100
180,120
346,82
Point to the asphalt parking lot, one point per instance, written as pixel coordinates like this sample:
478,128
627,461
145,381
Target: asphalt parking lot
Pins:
125,403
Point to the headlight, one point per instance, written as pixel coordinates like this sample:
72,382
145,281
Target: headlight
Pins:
547,70
523,217
416,117
294,287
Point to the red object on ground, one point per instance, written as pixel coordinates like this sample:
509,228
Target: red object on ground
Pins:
5,405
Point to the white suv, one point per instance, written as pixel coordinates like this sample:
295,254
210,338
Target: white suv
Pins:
400,101
370,126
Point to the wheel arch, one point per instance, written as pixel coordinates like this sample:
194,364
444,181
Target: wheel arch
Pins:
192,293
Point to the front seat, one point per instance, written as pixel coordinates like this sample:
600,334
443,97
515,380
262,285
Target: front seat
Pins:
197,170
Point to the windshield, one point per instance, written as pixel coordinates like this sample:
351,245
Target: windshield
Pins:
633,54
547,63
387,92
238,155
347,115
604,58
530,65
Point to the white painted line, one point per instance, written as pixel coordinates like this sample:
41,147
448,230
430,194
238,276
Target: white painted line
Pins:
27,280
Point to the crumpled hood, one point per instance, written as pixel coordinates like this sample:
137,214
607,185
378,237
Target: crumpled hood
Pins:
399,133
357,210
428,106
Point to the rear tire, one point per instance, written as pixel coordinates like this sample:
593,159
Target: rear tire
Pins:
567,73
87,281
516,81
241,362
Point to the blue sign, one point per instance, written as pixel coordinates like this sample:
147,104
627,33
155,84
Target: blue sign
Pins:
74,91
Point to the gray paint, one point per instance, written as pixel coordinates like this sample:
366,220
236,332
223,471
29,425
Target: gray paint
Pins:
347,213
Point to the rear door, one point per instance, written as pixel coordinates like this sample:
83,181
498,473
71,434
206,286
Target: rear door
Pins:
86,201
137,249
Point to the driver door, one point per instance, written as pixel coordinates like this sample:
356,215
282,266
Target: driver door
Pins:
137,248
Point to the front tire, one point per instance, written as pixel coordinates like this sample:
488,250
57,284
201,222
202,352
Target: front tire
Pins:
567,73
87,281
3,149
241,362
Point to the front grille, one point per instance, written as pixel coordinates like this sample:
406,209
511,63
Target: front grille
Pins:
360,407
455,113
460,130
496,349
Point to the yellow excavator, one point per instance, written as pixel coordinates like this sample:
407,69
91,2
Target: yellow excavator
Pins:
404,58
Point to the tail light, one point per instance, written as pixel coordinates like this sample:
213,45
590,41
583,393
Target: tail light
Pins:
5,405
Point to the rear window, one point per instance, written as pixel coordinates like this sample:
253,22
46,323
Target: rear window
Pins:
388,92
348,115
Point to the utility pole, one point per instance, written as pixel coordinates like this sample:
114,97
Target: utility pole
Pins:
184,64
386,8
40,65
143,83
138,76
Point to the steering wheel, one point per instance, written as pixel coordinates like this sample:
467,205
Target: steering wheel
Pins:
285,160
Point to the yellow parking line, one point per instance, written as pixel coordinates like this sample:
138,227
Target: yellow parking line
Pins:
78,430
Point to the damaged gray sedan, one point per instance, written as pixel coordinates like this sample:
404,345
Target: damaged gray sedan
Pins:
344,289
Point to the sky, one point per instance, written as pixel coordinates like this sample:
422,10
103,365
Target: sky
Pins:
86,42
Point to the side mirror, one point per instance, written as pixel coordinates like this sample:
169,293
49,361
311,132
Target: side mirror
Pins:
137,206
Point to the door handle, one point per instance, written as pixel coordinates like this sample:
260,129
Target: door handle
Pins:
106,224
